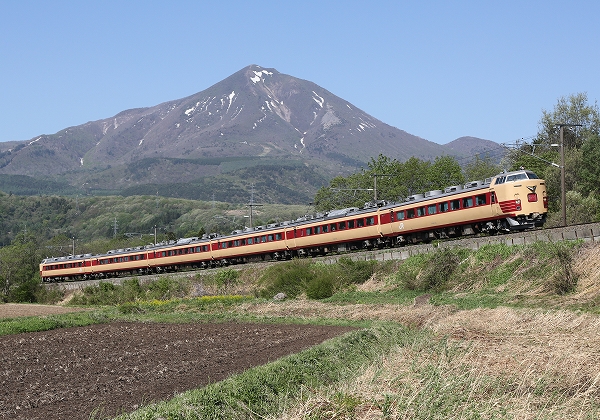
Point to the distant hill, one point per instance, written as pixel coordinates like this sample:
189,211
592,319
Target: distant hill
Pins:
470,146
258,127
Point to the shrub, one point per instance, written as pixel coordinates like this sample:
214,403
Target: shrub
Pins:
290,278
354,272
165,288
106,293
319,288
227,277
431,271
564,280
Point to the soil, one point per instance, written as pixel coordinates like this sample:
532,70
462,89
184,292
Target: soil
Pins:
109,369
15,310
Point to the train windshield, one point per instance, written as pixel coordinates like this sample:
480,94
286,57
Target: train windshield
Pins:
515,176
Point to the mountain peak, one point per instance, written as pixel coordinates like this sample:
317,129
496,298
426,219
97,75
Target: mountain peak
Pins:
255,116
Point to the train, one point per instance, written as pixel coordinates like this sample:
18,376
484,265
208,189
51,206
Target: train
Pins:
508,202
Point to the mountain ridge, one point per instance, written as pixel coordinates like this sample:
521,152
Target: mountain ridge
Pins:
256,114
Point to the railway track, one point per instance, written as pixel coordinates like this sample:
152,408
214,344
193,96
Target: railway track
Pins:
589,232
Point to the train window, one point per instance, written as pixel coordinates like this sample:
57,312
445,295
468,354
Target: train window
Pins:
325,228
400,215
351,224
516,177
223,245
370,221
250,241
493,197
263,239
205,248
500,180
270,238
308,231
444,207
278,236
342,225
454,204
317,229
198,249
360,222
332,226
410,213
431,209
480,200
421,211
531,175
467,202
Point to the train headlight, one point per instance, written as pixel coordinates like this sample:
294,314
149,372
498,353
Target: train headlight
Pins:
545,202
532,197
518,204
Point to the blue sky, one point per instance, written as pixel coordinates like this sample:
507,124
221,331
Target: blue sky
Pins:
437,69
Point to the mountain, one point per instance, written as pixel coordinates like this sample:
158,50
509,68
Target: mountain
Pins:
244,130
470,146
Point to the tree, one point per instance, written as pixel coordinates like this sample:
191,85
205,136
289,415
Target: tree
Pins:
481,168
590,169
581,149
19,262
444,172
395,181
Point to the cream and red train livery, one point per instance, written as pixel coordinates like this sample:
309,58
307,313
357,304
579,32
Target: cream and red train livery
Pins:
507,202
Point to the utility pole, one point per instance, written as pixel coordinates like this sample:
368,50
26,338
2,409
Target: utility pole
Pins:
375,184
252,205
563,192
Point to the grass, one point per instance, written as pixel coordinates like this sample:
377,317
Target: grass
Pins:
51,322
498,338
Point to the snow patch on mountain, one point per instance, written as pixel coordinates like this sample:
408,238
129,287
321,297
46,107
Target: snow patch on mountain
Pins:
319,100
258,75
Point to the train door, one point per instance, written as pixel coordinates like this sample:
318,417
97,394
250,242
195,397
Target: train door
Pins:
495,206
385,222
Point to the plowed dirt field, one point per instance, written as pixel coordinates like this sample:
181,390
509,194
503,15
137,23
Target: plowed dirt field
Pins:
113,368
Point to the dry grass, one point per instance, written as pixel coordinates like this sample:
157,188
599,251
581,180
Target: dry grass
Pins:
504,362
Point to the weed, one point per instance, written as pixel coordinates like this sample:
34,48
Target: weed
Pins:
227,277
564,279
319,288
289,278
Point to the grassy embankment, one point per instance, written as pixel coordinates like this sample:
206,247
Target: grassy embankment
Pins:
503,332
